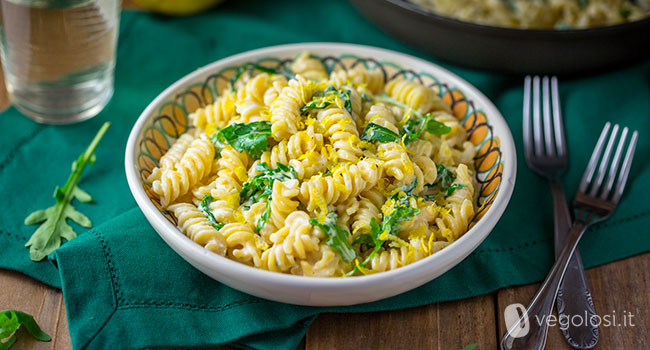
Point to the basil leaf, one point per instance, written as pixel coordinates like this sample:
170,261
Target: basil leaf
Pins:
375,132
251,137
337,237
204,207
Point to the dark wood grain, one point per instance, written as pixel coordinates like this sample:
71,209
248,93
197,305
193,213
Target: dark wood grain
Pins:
621,287
448,325
616,288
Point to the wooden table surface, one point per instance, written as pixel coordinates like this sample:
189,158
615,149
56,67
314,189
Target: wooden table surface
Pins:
622,286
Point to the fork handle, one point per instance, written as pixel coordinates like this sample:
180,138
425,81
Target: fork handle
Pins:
531,330
573,297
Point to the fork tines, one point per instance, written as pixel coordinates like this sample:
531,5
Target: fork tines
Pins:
546,117
601,161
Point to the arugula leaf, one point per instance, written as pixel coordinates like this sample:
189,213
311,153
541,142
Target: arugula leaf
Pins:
266,214
469,347
316,104
371,239
47,238
325,98
510,5
414,126
445,177
337,237
251,137
260,187
435,127
625,13
366,98
375,132
390,224
253,66
204,207
11,320
409,189
453,188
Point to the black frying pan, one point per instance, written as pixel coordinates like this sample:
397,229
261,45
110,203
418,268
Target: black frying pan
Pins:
507,49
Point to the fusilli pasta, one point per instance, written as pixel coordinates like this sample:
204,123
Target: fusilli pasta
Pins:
321,173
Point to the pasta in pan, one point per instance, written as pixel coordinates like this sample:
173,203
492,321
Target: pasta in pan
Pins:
540,14
320,173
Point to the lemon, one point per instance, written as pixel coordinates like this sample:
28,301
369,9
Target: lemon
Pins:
177,7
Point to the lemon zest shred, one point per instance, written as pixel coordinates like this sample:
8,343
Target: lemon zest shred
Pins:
239,217
388,207
260,243
446,232
363,270
210,128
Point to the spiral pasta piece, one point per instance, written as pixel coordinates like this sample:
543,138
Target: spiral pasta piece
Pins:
461,210
292,242
342,132
196,226
250,105
193,166
347,181
366,212
285,110
372,80
282,203
308,67
173,155
219,113
326,262
415,95
381,115
242,243
397,164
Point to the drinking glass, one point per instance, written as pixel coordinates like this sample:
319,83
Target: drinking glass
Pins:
58,56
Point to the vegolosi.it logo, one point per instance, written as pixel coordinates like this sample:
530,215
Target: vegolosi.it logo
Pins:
512,316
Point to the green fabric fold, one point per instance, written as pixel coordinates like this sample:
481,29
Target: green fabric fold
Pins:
125,288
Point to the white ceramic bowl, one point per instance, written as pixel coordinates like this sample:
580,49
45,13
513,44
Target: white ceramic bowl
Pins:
166,117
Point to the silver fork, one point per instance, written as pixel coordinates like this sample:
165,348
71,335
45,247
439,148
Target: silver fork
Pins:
594,202
548,158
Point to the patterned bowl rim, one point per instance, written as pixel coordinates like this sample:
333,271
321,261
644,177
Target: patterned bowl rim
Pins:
470,240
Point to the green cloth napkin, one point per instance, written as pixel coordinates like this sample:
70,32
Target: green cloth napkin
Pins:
124,288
